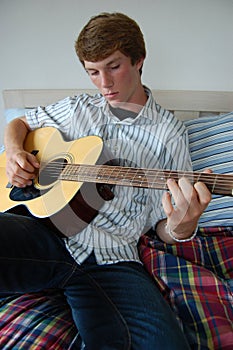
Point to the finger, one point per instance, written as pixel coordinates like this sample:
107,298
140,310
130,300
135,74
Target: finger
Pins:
173,187
167,204
187,189
180,191
26,163
204,195
20,183
208,171
18,176
32,159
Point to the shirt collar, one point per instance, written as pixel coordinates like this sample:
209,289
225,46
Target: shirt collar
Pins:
149,110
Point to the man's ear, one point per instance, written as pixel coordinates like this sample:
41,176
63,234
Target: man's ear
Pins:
139,63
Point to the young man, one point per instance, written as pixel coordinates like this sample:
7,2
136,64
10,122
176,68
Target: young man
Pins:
114,303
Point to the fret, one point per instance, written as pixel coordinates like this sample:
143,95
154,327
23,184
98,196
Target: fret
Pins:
146,178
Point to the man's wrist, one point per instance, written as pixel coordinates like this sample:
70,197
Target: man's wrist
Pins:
172,235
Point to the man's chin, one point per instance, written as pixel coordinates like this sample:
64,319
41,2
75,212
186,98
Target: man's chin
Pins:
115,103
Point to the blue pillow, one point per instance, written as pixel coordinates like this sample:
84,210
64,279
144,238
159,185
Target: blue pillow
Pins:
12,113
211,146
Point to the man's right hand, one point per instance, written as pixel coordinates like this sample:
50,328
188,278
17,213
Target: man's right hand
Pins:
21,168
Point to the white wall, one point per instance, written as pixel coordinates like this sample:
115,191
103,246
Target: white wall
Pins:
189,42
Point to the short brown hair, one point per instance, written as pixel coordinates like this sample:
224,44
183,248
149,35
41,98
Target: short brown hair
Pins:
107,33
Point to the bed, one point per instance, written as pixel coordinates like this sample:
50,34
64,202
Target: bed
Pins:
200,292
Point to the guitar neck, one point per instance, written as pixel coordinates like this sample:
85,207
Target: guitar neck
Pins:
145,178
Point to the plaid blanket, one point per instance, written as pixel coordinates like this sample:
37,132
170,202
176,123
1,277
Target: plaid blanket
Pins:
196,278
36,321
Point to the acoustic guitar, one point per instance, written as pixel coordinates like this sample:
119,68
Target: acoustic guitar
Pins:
67,167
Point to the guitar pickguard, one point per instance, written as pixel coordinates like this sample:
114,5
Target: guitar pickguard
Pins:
24,194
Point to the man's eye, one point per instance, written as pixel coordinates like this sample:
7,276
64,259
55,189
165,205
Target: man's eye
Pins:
91,72
115,67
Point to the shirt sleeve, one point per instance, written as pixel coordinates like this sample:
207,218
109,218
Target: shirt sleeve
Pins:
57,115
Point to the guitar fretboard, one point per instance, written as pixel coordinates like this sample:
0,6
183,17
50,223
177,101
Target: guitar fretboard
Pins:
146,178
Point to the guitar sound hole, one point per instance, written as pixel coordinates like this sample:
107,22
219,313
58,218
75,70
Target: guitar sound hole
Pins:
51,172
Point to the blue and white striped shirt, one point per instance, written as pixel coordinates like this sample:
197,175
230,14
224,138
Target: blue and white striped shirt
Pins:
153,139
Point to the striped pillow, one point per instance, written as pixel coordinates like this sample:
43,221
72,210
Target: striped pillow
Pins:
211,146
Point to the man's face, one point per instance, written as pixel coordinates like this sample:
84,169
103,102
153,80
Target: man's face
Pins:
116,78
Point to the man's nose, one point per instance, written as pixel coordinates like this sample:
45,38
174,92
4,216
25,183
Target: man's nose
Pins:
107,80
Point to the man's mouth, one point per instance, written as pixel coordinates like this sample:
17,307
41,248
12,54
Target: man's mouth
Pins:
110,94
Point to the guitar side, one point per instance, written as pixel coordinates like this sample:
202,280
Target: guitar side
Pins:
49,146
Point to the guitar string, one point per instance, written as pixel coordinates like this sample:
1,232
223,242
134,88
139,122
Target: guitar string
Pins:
108,170
140,175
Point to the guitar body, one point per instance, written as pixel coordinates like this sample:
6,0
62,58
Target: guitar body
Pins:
68,208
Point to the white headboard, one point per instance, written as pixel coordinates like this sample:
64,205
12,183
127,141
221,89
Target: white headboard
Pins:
186,104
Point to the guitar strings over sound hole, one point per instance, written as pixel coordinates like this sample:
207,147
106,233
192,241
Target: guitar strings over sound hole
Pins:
51,171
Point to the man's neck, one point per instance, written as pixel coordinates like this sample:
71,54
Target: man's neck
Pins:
122,113
134,107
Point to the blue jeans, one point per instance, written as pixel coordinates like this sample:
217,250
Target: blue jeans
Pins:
115,306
